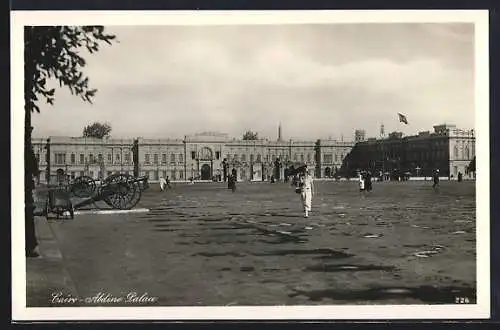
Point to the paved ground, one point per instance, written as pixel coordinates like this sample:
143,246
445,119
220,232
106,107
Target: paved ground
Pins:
202,245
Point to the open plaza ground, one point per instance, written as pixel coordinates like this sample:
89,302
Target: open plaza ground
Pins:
201,244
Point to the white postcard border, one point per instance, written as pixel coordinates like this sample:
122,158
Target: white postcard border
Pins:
478,311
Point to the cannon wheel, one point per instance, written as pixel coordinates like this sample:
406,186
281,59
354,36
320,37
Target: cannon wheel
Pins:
122,191
83,186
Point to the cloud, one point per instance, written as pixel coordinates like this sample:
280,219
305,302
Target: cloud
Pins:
317,80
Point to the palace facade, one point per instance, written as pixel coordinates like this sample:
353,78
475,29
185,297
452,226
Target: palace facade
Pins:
210,155
201,156
448,149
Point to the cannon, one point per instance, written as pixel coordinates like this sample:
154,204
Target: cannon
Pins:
119,191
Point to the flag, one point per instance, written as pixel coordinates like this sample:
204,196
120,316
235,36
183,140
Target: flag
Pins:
402,118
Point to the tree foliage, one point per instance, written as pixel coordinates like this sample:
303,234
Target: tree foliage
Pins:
249,135
53,52
97,130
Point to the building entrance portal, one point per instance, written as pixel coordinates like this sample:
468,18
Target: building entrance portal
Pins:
205,172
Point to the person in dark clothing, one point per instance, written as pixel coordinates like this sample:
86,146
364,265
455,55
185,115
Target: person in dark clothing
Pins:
460,176
436,179
231,180
368,181
232,185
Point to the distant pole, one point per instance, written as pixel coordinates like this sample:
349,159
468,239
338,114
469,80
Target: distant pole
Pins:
47,159
185,156
135,156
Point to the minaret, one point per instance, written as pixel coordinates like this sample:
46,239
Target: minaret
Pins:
382,131
279,132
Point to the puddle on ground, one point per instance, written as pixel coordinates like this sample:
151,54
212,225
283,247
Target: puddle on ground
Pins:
189,235
219,242
426,294
283,240
219,254
330,253
223,228
229,234
282,236
432,250
349,268
370,235
273,270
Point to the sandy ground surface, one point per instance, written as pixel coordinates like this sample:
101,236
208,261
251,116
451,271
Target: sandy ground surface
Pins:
201,244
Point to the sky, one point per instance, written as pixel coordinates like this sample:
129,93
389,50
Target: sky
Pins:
318,80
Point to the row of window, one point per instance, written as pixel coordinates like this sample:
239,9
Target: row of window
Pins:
272,157
173,158
153,175
60,158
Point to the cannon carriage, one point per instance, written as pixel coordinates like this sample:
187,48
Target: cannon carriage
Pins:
118,191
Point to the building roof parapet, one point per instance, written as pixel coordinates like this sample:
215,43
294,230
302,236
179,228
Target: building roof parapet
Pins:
84,140
160,141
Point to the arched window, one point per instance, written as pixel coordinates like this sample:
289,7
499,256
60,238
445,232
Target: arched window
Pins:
258,157
251,158
455,151
243,157
206,153
467,154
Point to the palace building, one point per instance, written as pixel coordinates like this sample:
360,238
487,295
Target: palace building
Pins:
211,156
448,149
203,156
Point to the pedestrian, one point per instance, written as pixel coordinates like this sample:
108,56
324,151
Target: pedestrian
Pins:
163,183
436,179
273,180
361,181
168,183
306,186
368,181
460,176
233,183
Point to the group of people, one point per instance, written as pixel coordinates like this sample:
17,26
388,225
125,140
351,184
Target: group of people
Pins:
165,183
303,182
365,181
